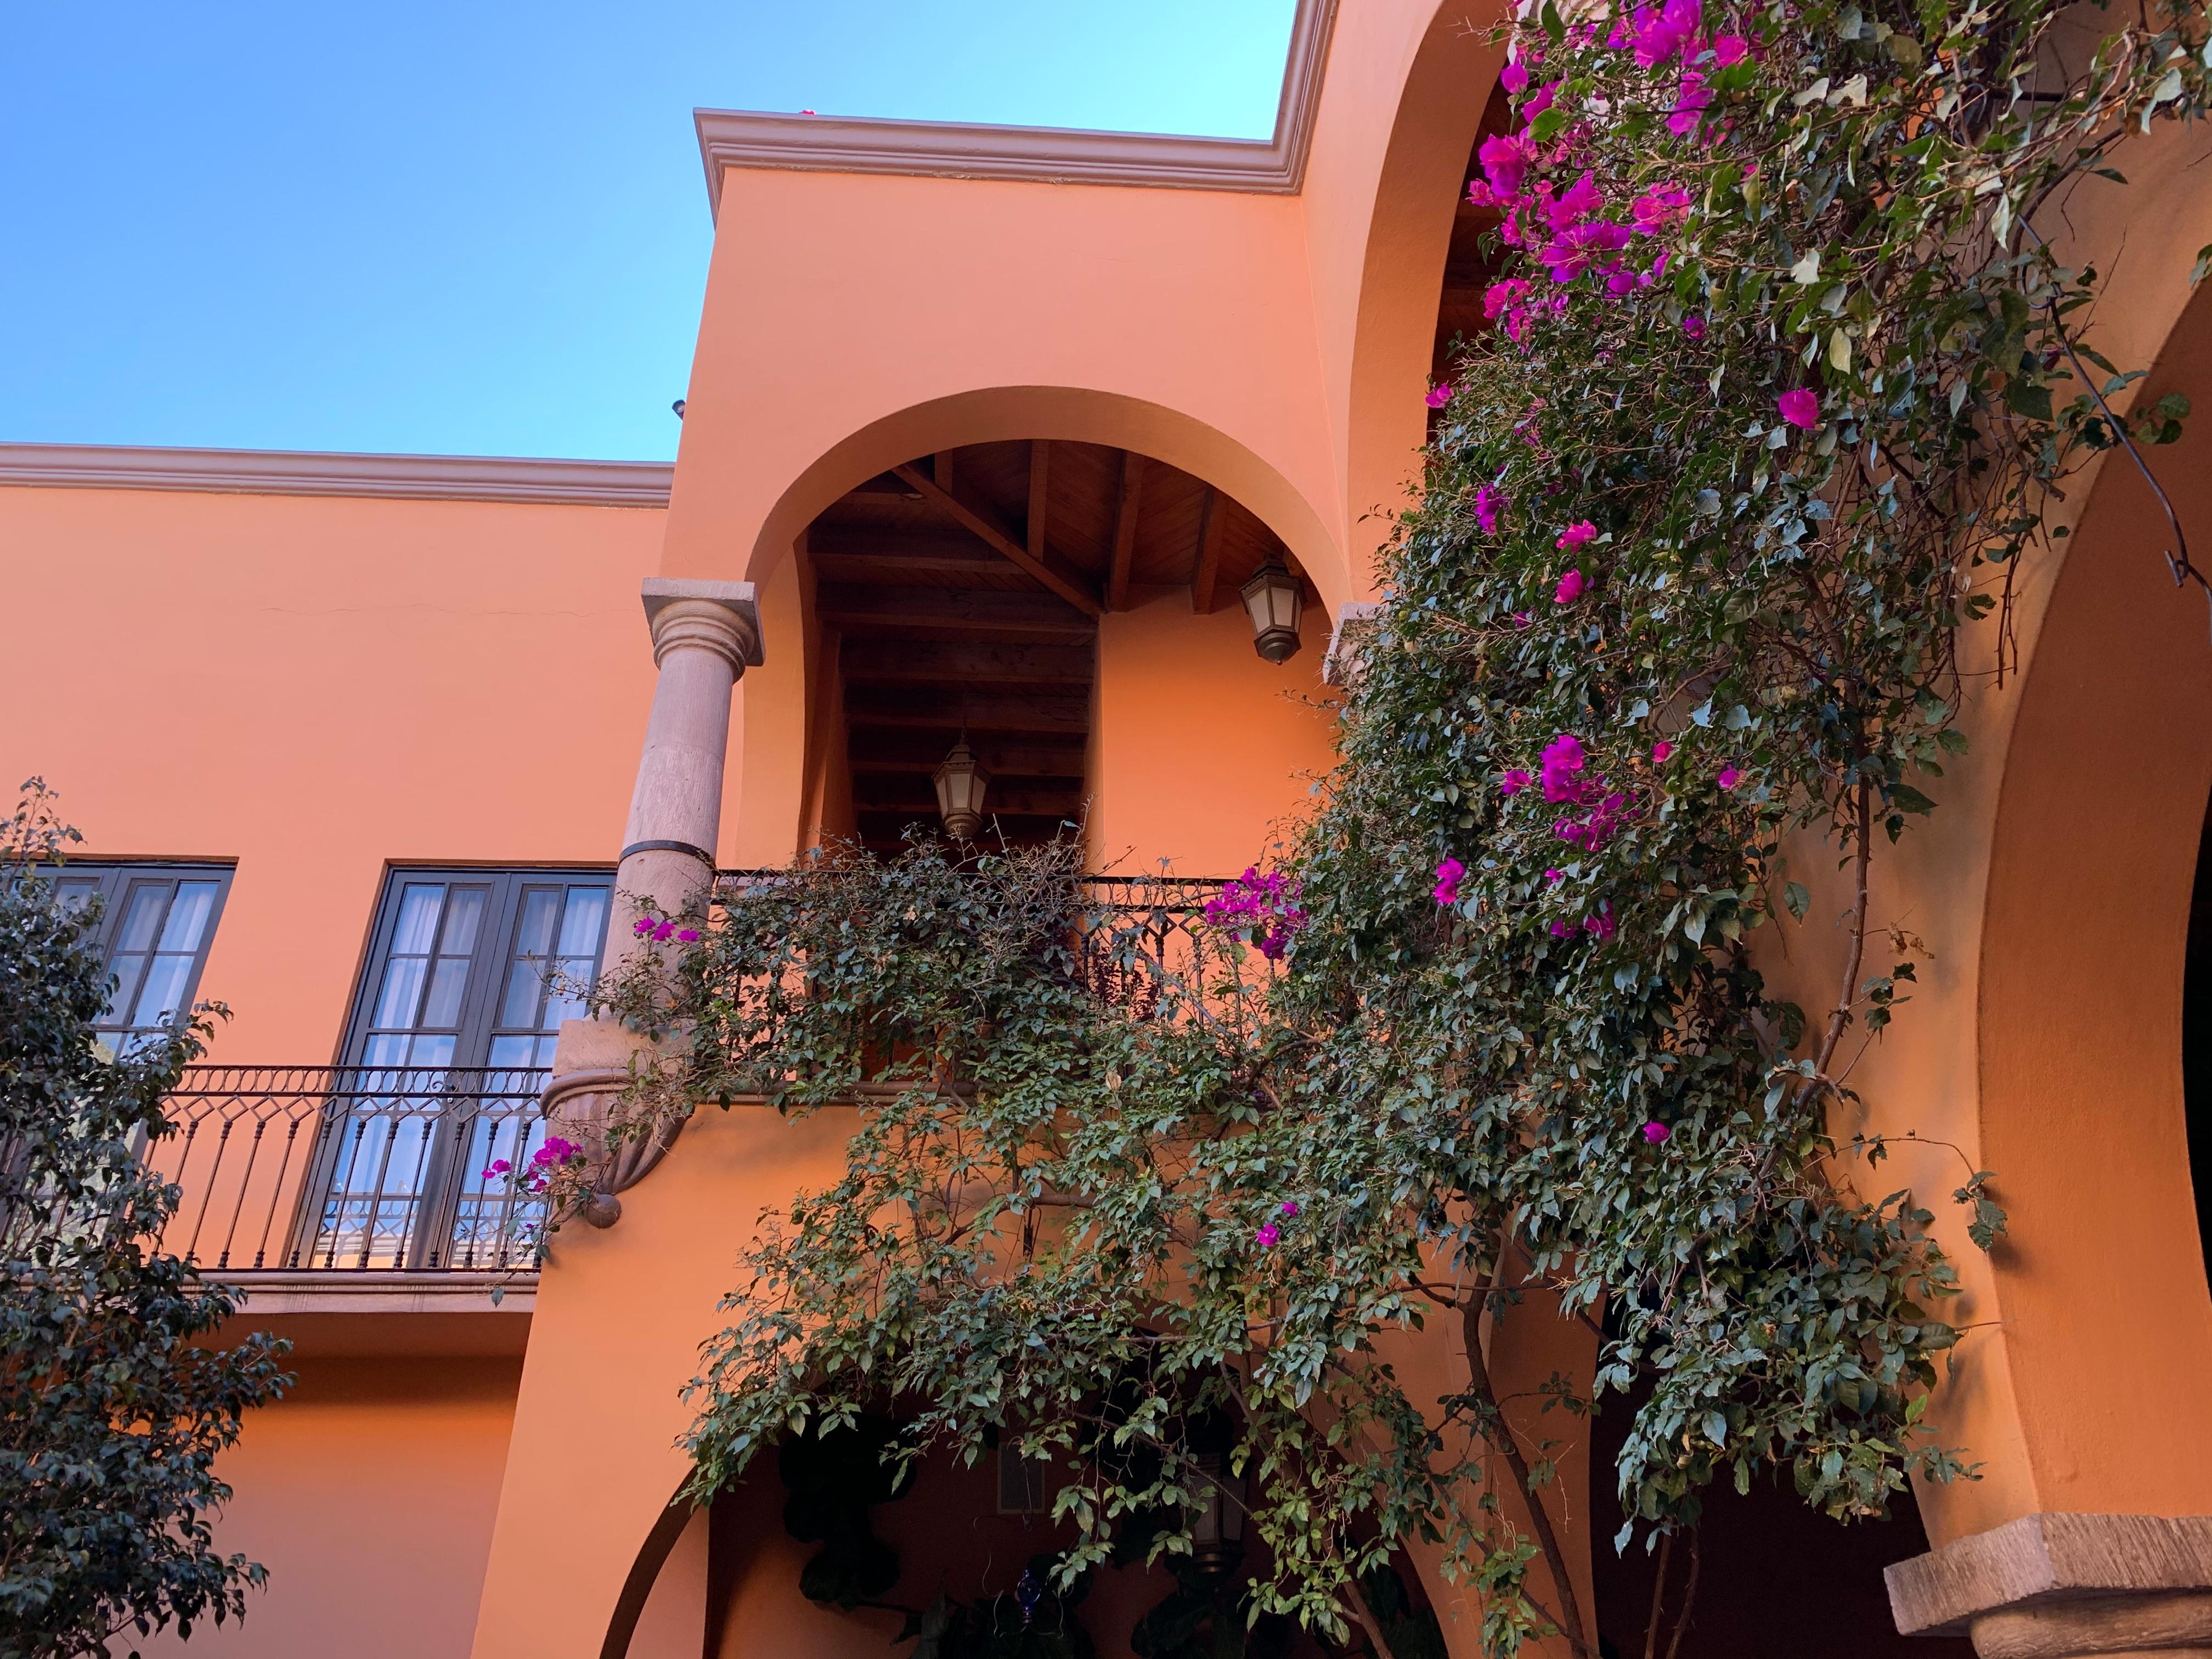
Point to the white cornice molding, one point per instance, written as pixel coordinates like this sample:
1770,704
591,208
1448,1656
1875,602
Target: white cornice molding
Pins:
1052,155
294,472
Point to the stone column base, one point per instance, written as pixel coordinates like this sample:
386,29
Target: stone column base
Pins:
594,1061
2053,1586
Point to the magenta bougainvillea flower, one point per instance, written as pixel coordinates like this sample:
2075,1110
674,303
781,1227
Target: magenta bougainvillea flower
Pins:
1801,408
1522,619
1575,534
1560,929
1600,926
1438,397
497,1167
1265,1237
1541,100
1264,909
1289,1206
1658,35
690,936
1656,1132
1661,749
1570,588
1555,875
1513,782
1487,505
1514,77
1563,759
1505,162
1694,327
1730,777
1692,98
1658,208
1449,873
1729,49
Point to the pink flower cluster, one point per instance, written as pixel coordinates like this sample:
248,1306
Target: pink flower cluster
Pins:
1269,1234
1262,908
538,1172
661,933
1448,879
1568,231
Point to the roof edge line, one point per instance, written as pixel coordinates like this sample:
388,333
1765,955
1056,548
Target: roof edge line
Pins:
1053,155
307,472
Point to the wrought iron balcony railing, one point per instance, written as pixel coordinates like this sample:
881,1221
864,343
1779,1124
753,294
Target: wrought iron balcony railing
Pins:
351,1168
369,1168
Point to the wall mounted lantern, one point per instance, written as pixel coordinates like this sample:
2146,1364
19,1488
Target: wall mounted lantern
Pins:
1217,1532
961,781
1274,598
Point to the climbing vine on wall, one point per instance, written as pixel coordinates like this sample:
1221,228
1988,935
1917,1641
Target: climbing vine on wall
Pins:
1782,378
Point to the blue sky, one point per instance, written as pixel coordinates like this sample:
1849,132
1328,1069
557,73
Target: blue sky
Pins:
471,228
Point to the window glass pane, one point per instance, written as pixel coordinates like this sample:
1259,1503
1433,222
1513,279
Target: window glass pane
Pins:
142,916
463,915
513,1051
585,921
188,916
387,1049
541,907
126,970
520,1007
77,891
418,918
403,990
443,1006
567,1001
432,1050
163,993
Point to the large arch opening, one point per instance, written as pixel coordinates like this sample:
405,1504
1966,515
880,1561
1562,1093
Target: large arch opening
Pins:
961,596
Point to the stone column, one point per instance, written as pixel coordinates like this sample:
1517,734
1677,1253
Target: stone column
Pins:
2055,1586
705,635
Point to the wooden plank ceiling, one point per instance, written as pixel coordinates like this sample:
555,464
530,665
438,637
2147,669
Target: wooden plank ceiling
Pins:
962,591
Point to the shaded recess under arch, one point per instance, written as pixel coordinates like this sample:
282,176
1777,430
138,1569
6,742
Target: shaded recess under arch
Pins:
962,591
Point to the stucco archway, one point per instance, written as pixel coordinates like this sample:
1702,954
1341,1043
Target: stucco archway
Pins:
2107,1321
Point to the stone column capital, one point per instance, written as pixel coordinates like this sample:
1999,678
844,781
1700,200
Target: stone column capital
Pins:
2054,1585
718,616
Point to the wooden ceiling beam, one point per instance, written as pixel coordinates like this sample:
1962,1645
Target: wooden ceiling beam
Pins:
918,795
1040,497
911,749
1053,569
962,662
1206,571
988,708
1039,617
1125,530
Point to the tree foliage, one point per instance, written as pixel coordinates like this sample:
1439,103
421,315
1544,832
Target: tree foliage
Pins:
1784,379
112,1407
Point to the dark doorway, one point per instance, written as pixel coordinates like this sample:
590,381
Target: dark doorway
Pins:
2197,1037
1775,1577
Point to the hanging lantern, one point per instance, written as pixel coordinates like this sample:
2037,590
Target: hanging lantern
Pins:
1216,1533
1273,598
961,781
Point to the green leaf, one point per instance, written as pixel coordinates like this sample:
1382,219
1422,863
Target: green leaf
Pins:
1798,899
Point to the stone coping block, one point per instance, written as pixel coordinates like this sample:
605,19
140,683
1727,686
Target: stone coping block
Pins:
2040,1561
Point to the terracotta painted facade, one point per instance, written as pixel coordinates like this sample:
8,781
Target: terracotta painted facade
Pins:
318,672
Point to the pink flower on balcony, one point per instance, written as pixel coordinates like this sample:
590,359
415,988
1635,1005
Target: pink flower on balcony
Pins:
1265,1237
1575,534
1661,750
496,1167
1487,504
1448,878
1514,77
1692,100
1729,777
688,936
1694,327
1522,619
1505,163
1658,35
1656,1132
1729,49
1570,588
1289,1206
1563,759
1438,397
643,927
1600,926
1801,408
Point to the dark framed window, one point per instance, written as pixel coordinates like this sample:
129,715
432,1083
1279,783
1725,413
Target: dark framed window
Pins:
469,976
156,923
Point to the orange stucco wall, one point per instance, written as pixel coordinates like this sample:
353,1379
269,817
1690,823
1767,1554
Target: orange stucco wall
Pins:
314,686
368,1495
1202,751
